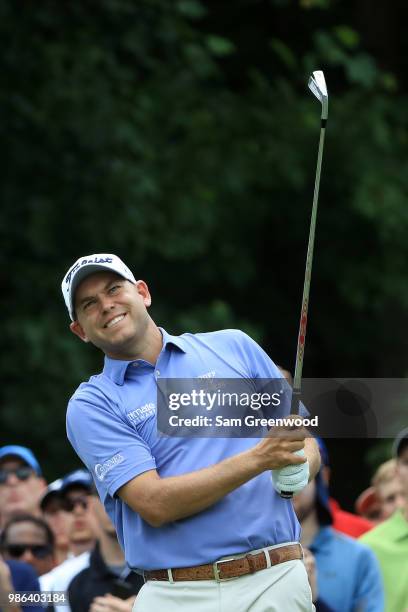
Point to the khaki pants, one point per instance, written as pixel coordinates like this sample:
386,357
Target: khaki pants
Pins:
281,588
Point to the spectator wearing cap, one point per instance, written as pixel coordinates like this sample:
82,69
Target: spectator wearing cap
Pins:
29,538
59,520
21,482
389,540
75,495
348,575
342,521
108,584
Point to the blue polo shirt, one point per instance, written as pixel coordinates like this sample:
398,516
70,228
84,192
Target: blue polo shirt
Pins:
111,423
348,574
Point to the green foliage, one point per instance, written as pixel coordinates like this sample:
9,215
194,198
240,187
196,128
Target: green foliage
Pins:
219,46
190,151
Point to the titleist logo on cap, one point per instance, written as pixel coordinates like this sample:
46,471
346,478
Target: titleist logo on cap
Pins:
83,262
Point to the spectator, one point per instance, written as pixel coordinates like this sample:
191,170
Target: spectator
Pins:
59,520
30,539
310,565
388,488
108,578
75,496
389,540
16,576
21,482
348,575
343,521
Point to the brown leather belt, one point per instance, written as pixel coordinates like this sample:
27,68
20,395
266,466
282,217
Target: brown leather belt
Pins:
229,568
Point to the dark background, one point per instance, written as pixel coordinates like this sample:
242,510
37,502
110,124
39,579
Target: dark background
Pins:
181,136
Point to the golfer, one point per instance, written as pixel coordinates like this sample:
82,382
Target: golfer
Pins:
199,517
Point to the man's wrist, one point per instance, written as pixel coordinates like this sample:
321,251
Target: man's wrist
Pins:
257,460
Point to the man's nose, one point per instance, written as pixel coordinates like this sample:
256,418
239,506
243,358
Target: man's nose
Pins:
27,556
12,479
106,303
78,509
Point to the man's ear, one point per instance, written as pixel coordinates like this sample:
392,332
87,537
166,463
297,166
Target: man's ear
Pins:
76,329
143,290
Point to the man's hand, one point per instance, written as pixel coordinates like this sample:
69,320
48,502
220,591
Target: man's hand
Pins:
6,587
109,603
278,449
5,575
291,454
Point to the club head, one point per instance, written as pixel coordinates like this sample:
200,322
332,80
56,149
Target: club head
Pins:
317,86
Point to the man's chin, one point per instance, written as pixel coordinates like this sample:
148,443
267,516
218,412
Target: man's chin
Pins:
119,345
81,536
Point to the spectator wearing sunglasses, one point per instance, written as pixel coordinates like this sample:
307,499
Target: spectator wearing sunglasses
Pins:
28,538
21,482
75,498
58,519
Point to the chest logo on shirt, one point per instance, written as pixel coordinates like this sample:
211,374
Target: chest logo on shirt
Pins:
101,469
210,374
142,413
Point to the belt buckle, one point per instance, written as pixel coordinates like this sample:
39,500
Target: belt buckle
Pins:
217,571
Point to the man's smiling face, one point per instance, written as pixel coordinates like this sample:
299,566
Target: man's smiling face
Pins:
111,312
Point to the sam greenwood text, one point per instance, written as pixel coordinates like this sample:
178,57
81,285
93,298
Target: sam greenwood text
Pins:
248,421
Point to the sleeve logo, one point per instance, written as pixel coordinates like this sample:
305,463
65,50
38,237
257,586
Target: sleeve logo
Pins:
101,469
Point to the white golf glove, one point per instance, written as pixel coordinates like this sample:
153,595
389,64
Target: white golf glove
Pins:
291,478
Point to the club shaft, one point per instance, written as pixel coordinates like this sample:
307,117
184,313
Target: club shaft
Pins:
297,381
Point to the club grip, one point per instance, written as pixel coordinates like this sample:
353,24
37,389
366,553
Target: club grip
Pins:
291,473
286,494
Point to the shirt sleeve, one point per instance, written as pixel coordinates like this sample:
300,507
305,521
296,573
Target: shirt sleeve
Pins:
111,449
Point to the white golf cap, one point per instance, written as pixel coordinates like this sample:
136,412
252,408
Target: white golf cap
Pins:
89,264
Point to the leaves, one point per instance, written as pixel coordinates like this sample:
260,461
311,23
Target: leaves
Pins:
182,137
219,45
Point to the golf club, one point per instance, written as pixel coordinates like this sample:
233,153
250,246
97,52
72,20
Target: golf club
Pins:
317,86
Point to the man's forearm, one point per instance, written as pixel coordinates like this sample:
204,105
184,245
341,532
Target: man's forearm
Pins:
162,500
